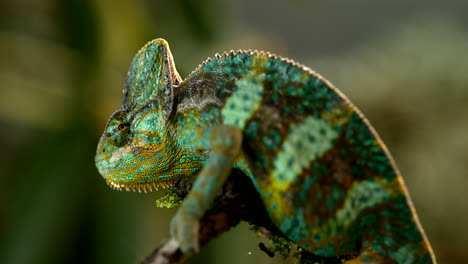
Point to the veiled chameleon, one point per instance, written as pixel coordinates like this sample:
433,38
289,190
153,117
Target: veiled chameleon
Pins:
325,178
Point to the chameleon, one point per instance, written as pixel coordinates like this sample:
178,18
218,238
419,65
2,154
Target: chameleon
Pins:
325,177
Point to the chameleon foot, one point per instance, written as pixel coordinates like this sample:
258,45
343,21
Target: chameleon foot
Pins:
184,229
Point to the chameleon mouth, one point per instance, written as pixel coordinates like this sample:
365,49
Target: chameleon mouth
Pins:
140,187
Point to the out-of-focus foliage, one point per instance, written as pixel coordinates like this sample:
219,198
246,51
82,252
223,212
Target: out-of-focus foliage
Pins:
62,68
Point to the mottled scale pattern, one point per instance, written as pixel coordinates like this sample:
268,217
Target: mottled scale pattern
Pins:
326,179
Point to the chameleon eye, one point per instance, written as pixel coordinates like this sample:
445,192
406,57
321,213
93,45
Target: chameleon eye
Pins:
117,130
119,135
122,126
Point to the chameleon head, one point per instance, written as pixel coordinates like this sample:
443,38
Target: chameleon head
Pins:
136,151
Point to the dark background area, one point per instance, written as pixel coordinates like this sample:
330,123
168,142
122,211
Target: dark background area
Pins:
62,69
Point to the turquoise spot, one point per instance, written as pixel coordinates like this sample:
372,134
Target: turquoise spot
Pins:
295,74
273,206
210,115
363,199
152,47
149,55
291,90
318,195
261,162
338,192
378,248
268,142
388,227
275,98
276,136
308,182
294,226
368,219
320,222
306,246
317,237
388,241
326,252
337,230
330,203
140,158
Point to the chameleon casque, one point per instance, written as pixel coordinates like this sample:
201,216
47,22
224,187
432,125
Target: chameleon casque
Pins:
325,178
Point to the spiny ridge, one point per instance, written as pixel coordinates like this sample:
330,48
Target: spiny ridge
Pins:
225,54
140,187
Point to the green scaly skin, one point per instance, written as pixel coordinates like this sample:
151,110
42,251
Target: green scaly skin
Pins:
325,177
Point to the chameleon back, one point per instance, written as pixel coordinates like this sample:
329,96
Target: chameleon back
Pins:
326,179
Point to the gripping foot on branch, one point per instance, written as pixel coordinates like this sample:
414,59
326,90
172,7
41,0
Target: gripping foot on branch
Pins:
237,201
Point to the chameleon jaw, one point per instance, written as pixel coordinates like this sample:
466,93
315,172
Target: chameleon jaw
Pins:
139,187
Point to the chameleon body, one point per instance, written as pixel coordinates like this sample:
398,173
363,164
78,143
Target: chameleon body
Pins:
326,179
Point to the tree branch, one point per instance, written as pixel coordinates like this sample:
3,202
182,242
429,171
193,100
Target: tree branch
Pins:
237,201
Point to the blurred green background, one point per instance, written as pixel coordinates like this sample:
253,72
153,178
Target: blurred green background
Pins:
62,70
